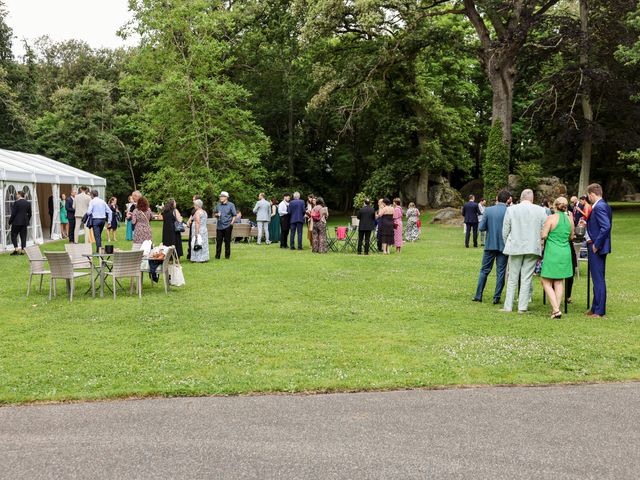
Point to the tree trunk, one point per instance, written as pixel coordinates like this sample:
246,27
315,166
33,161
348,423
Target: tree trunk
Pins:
587,110
502,79
291,139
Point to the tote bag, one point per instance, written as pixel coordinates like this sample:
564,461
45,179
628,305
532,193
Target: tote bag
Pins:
176,277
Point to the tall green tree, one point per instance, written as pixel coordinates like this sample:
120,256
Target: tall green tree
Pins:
195,127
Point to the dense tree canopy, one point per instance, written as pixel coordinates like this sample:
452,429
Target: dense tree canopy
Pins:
341,98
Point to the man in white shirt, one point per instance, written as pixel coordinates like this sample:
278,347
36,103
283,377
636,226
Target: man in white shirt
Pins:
521,233
285,224
100,216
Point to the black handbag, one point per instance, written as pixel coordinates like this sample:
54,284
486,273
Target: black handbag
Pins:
87,220
178,226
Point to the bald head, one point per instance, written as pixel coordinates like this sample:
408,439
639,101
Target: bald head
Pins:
526,195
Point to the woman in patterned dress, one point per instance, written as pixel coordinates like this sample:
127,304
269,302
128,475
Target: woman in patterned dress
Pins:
397,224
199,234
412,232
140,218
319,214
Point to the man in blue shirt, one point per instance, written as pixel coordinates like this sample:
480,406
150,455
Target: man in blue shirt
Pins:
100,215
492,223
226,214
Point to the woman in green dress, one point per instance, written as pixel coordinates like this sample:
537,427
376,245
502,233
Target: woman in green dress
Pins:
274,224
556,266
64,220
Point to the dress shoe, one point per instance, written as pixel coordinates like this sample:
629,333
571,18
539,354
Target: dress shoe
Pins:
474,299
496,302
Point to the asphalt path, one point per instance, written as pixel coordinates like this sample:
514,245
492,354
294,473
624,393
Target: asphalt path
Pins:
568,432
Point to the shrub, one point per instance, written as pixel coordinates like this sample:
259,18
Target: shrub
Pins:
495,169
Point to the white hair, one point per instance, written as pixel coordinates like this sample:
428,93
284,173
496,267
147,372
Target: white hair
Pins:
296,195
198,203
527,194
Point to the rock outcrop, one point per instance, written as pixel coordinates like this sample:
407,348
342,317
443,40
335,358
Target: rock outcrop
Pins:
448,216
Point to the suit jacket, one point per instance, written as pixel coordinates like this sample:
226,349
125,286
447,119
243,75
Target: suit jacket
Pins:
81,204
492,223
470,212
297,209
522,228
20,213
599,227
262,211
68,204
367,218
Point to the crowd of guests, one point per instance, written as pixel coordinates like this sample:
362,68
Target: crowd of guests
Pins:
526,238
283,222
523,238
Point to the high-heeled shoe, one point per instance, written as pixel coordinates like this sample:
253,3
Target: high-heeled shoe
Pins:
556,315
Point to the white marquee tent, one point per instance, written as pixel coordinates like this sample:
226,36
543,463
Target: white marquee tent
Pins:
40,178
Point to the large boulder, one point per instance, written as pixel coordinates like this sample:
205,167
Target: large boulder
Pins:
442,195
549,189
632,198
474,187
448,216
619,188
432,191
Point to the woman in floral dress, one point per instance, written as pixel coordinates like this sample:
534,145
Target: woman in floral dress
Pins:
412,232
199,234
397,224
140,219
319,214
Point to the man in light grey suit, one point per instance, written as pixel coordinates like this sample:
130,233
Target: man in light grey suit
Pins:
521,232
81,205
263,217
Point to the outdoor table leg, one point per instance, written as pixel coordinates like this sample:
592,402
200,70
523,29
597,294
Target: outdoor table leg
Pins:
102,279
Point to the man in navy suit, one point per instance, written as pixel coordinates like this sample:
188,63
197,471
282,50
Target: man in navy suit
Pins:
492,223
599,241
470,212
297,210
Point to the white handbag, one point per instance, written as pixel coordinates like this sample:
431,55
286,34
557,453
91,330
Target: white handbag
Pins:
176,277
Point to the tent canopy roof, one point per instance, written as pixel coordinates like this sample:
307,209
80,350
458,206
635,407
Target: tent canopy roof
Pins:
28,167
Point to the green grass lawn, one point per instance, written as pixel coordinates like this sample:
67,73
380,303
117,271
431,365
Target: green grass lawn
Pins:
279,321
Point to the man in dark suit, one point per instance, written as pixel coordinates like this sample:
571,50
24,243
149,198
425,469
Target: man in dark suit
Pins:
470,212
492,223
19,221
51,211
599,242
297,209
71,213
366,224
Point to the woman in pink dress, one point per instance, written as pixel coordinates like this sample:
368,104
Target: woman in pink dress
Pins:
397,224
